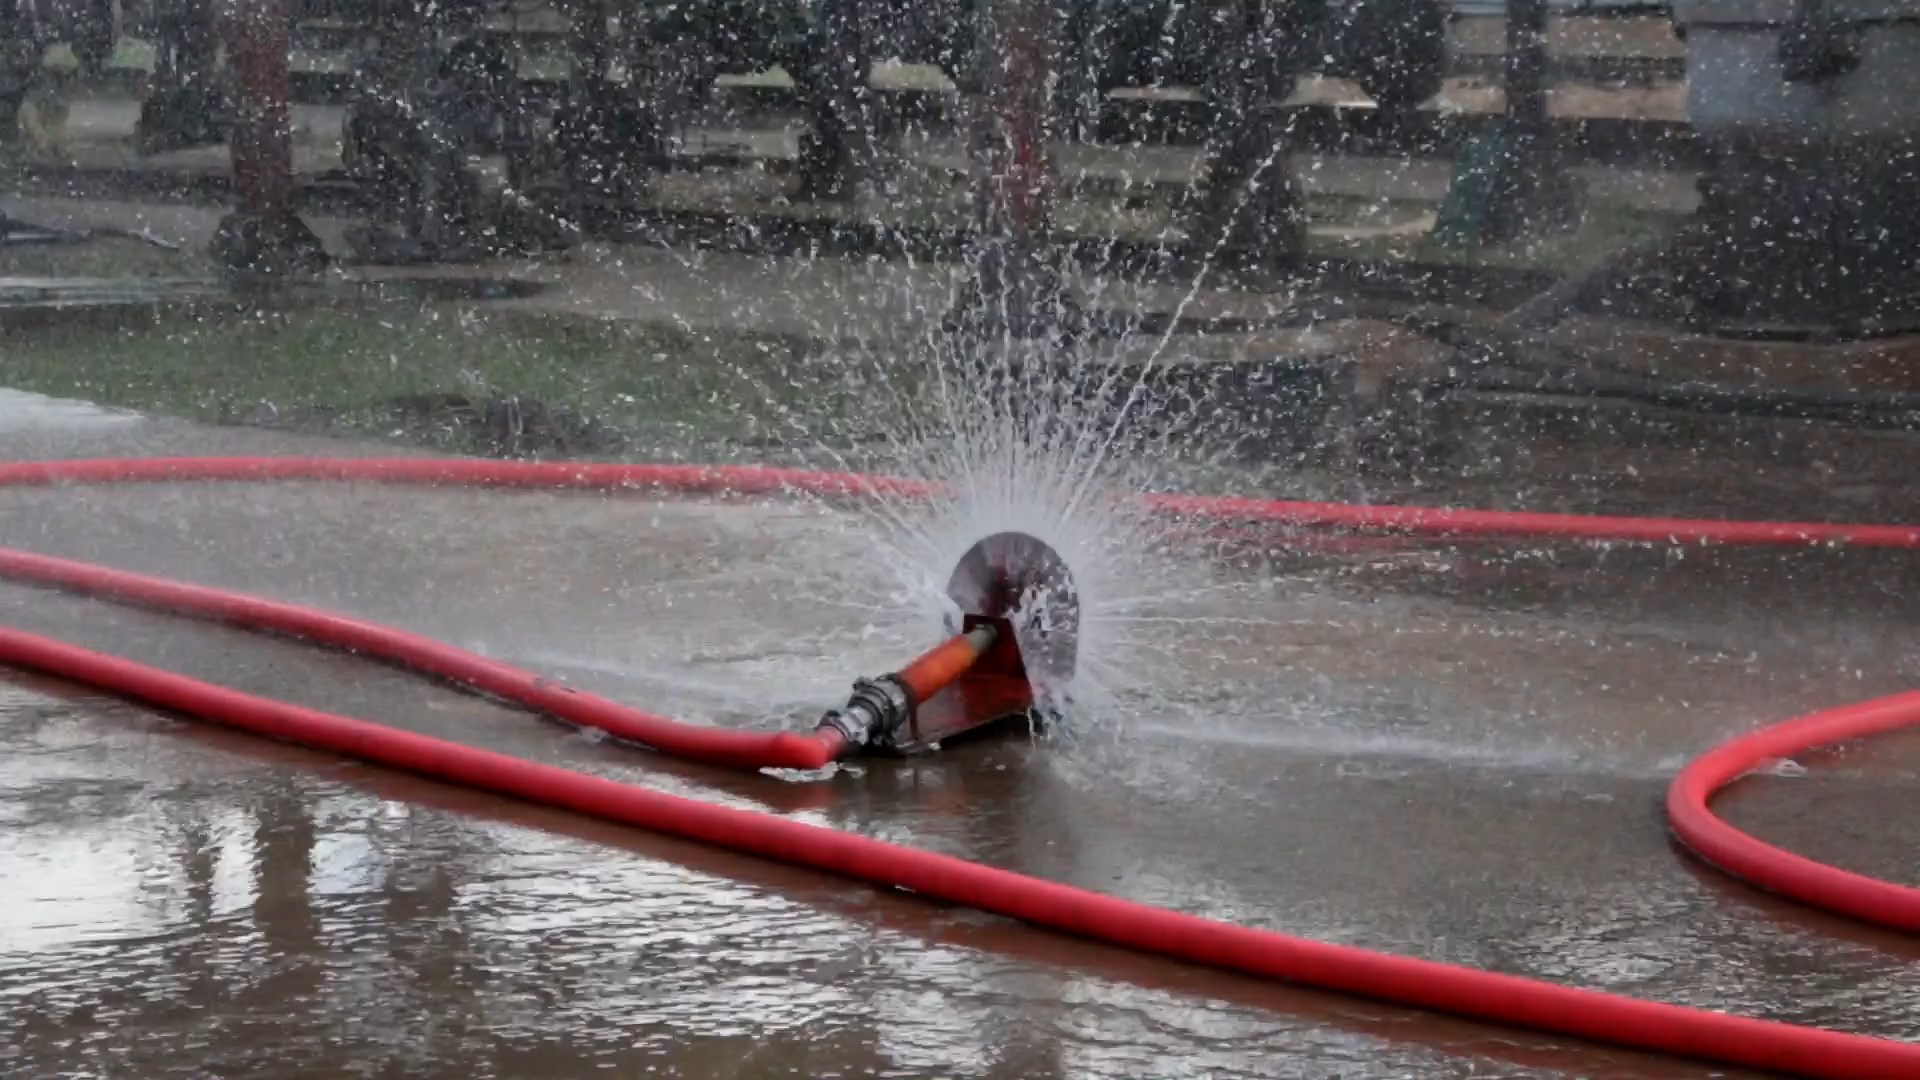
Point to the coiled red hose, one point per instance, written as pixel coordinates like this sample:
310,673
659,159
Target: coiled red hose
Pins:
1688,1032
1815,884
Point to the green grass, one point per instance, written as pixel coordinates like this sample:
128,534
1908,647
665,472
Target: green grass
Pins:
342,370
1608,228
129,54
106,258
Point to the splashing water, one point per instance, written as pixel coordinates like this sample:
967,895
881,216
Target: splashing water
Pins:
1022,435
1103,547
1012,449
1029,435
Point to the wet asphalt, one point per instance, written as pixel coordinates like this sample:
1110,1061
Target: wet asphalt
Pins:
1456,754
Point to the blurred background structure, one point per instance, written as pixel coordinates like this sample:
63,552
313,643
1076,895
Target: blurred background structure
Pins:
1510,182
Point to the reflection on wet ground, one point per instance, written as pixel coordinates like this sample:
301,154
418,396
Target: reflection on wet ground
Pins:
1450,753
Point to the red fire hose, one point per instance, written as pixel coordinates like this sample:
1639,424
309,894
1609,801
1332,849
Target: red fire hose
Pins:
1506,999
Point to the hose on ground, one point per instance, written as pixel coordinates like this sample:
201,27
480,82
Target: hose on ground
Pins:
1505,999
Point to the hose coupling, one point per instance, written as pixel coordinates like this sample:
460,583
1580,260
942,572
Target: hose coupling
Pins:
876,710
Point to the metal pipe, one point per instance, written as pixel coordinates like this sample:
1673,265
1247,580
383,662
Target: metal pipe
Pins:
880,709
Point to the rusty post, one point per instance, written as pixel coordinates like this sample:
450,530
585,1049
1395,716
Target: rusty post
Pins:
258,43
1016,192
263,236
1016,291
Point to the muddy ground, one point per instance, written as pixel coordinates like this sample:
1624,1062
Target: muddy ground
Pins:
1451,754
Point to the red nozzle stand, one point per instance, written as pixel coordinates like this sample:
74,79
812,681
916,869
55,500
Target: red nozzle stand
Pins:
940,694
979,676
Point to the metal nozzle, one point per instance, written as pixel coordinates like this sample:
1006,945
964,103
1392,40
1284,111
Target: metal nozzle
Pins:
879,710
875,710
982,637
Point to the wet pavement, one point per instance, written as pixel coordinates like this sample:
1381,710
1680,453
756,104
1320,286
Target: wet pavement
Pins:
1453,754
